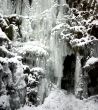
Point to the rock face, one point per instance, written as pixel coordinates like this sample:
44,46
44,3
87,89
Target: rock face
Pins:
46,44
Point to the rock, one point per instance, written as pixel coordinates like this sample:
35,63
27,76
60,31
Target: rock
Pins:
18,78
85,14
3,39
4,102
6,76
94,28
14,100
26,69
5,53
10,32
14,19
3,24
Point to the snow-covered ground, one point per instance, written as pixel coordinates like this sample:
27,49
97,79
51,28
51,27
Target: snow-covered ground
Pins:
61,100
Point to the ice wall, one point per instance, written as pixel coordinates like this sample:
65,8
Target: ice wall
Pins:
42,21
38,26
78,75
48,26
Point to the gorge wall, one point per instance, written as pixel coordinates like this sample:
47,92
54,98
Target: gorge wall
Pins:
46,44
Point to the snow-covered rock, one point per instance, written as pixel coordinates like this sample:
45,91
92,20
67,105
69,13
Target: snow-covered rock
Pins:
5,53
37,69
33,48
4,102
91,61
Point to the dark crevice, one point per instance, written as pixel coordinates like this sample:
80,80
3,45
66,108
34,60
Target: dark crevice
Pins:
67,82
93,81
30,2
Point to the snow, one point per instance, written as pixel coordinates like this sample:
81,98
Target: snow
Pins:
4,101
31,79
18,57
70,34
3,35
18,74
57,27
37,69
78,28
13,60
61,100
91,61
8,53
95,22
25,67
83,41
33,47
3,60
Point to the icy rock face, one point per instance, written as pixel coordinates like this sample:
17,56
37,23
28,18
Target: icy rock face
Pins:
12,78
40,34
11,26
73,29
34,53
37,86
12,82
90,67
38,27
4,103
19,86
82,4
41,78
31,12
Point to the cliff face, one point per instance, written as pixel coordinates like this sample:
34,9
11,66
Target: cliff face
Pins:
45,45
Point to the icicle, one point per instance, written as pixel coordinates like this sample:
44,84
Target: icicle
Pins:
78,77
56,55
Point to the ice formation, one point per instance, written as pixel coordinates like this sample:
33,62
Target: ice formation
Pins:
48,47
